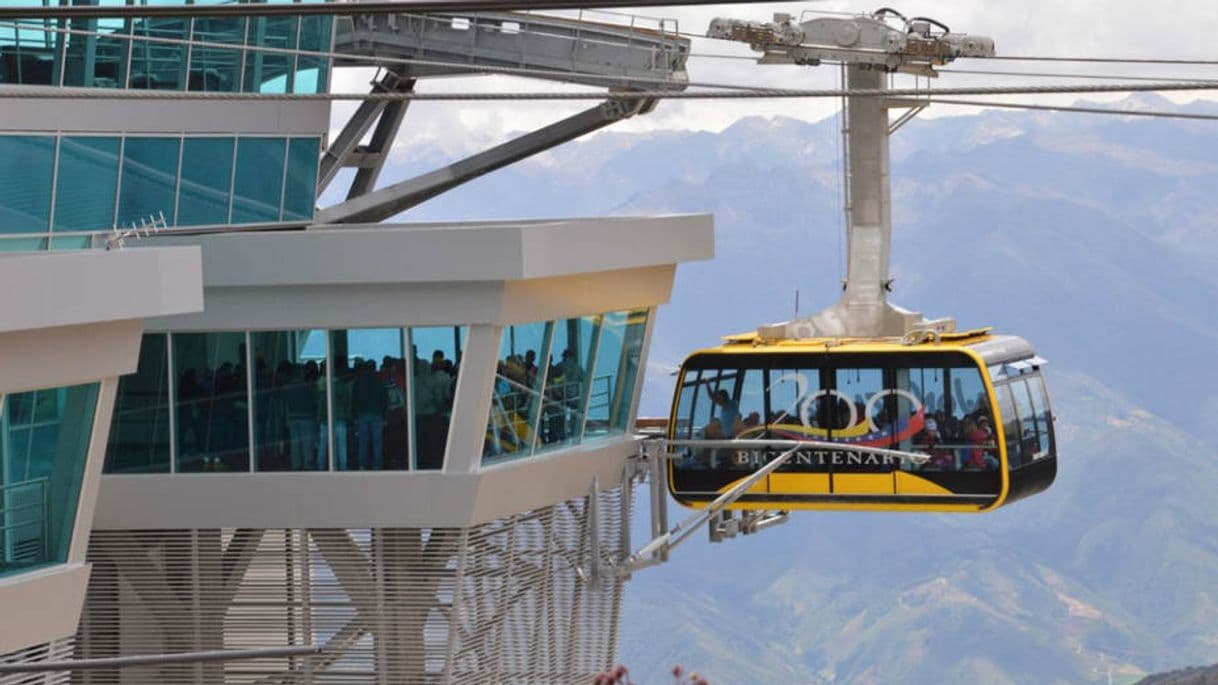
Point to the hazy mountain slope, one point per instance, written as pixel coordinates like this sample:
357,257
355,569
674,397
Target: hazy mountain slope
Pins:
1092,236
1205,675
1109,569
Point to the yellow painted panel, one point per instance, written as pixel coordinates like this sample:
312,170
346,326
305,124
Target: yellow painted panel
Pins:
759,488
911,484
862,483
799,483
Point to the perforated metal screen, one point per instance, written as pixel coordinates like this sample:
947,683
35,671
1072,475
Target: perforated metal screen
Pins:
496,603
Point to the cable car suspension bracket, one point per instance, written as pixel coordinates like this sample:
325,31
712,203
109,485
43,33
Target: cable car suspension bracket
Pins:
869,47
651,465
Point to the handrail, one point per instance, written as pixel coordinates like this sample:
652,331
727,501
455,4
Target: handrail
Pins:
913,457
41,519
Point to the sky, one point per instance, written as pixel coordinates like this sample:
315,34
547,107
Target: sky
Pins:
1185,29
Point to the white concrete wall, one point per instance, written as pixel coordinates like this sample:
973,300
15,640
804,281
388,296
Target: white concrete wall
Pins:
69,318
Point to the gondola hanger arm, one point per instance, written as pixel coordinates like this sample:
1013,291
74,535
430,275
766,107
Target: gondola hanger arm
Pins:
657,451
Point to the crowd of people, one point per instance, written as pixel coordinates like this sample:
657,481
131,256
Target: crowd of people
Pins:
956,444
369,405
954,441
510,428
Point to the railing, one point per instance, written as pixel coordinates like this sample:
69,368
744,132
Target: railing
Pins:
24,524
519,38
516,406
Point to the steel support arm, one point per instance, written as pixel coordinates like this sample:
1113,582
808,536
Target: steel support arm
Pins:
663,541
382,204
346,142
657,550
220,655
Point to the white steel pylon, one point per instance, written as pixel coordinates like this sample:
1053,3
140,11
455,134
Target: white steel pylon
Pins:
869,47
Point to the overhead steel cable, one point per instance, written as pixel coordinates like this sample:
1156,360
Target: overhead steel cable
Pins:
1045,74
1069,108
50,92
1100,60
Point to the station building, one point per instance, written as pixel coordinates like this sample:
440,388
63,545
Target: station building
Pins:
234,420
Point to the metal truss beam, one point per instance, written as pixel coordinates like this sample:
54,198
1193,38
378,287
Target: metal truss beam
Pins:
374,156
382,204
344,151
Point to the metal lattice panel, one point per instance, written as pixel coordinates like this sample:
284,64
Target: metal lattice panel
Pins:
500,602
56,650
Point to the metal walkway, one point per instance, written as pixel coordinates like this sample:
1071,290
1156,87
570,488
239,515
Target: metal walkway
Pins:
600,43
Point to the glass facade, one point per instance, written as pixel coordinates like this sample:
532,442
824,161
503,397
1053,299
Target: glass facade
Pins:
27,165
316,400
563,382
366,399
290,425
211,402
64,184
617,357
252,55
435,355
44,444
139,427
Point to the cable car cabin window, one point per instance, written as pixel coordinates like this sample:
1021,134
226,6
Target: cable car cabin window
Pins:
861,413
751,406
797,405
1010,423
1040,405
719,404
920,398
1029,438
934,403
971,422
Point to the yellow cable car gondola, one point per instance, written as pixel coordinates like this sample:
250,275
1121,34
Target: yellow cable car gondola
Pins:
971,410
863,405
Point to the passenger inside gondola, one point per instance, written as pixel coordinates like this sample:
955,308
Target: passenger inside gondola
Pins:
927,441
729,412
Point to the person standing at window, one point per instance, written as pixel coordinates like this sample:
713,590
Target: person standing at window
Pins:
368,402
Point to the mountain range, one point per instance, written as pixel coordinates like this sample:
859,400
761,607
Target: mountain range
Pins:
1093,237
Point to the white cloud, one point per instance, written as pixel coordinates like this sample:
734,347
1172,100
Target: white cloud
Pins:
1103,28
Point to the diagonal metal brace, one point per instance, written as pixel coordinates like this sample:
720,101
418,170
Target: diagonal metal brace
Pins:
655,452
384,203
346,142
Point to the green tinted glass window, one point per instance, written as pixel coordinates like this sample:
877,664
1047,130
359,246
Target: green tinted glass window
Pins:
628,372
207,173
156,65
517,393
258,187
270,72
44,445
86,183
26,165
139,429
215,68
368,382
290,400
435,355
98,58
212,402
149,179
27,52
301,183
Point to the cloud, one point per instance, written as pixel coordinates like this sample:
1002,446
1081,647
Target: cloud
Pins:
1120,28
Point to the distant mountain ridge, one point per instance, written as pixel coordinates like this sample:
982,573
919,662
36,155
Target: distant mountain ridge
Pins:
1199,675
1092,236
